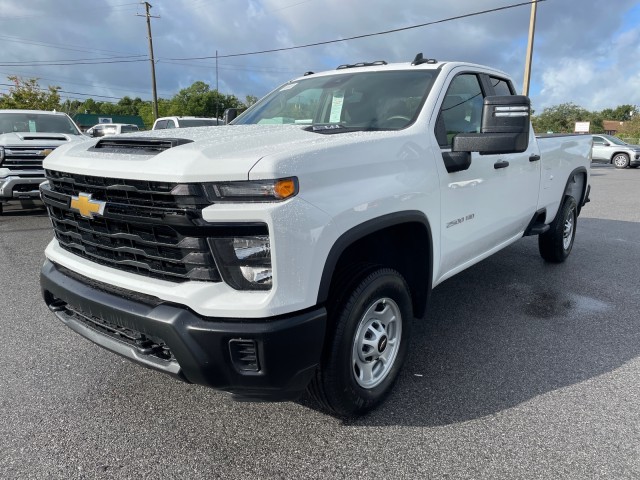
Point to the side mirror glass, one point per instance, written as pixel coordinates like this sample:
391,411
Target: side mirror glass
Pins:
229,115
504,129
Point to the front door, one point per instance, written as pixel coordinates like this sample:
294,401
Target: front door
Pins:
490,203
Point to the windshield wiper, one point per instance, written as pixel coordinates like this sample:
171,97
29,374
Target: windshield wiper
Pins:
332,128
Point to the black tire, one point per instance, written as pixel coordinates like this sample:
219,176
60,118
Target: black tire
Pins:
620,160
371,324
556,243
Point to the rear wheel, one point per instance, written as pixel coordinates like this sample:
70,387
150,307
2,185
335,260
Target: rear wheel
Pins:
371,322
556,243
620,160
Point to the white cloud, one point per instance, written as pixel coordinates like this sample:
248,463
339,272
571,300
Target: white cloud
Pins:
575,59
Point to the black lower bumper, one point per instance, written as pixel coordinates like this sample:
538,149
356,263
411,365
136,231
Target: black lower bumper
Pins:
270,359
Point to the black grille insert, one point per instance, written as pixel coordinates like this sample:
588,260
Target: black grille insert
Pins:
144,344
141,145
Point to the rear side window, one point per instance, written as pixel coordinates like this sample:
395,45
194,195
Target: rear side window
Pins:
160,124
501,86
170,124
129,128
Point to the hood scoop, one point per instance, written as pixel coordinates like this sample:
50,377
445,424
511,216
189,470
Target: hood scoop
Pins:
140,145
56,138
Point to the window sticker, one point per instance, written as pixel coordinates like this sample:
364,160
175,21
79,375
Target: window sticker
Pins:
32,126
336,107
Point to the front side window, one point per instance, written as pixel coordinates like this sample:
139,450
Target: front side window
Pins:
170,124
387,100
461,110
598,140
615,140
160,125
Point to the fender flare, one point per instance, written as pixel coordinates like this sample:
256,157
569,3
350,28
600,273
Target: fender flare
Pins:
367,228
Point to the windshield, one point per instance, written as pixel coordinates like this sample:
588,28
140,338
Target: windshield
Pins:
614,140
37,123
359,100
197,122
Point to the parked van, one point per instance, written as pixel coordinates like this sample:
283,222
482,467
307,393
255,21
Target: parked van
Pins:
183,122
103,129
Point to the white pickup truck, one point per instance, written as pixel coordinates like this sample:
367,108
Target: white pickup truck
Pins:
26,137
293,249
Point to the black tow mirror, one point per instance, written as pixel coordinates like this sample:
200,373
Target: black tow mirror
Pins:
230,114
505,127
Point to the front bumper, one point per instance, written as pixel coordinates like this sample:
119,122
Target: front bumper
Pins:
14,187
215,352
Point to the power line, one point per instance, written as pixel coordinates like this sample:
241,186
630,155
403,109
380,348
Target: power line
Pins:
357,37
49,62
7,19
71,64
60,46
98,61
22,74
65,91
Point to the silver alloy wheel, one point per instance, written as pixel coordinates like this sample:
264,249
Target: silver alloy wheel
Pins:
567,232
620,160
376,343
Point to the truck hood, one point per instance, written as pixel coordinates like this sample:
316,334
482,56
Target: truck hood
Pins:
215,153
36,139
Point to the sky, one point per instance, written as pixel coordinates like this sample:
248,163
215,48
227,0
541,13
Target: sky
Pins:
585,51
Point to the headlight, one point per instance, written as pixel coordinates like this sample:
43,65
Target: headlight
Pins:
244,261
252,191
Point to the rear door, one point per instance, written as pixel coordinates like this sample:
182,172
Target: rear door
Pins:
490,203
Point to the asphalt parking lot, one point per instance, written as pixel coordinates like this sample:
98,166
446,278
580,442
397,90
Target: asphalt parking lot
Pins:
521,370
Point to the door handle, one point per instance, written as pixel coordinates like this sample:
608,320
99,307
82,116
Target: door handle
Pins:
501,164
534,158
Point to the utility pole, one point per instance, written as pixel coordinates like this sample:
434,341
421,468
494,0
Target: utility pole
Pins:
153,62
217,91
527,65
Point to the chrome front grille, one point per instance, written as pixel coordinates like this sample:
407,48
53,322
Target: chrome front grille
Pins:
24,158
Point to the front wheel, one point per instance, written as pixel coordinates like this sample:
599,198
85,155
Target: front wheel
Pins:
556,243
620,160
371,325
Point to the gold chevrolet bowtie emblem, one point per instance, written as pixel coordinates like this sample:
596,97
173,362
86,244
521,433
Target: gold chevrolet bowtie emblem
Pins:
87,207
45,152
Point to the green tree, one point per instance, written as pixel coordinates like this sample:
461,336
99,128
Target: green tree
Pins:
631,129
560,118
27,94
250,100
621,113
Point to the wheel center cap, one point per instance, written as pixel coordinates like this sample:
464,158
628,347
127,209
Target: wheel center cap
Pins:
382,344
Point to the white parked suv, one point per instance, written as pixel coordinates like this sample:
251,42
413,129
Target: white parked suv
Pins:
294,248
184,122
610,149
